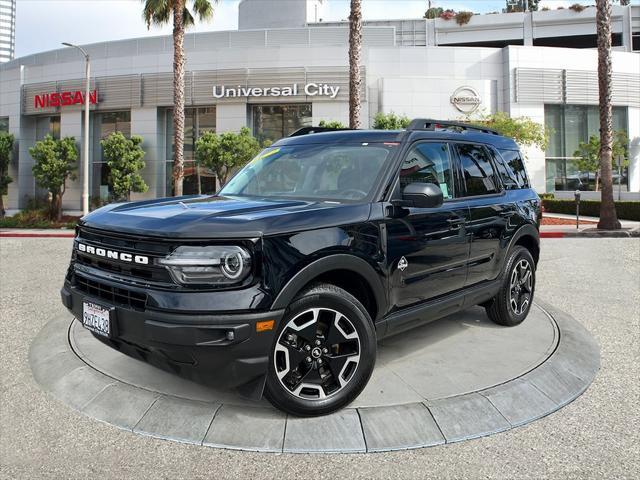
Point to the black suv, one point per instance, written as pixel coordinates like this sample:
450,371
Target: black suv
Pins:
323,244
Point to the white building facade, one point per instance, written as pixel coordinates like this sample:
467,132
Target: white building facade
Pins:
7,30
275,80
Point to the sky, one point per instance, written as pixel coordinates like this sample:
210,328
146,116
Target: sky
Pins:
44,24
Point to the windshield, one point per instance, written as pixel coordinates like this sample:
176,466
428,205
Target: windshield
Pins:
319,172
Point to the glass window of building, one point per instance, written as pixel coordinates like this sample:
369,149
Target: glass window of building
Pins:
197,121
4,124
570,125
272,122
48,126
104,124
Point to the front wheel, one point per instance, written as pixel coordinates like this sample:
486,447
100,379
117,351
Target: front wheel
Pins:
324,353
512,303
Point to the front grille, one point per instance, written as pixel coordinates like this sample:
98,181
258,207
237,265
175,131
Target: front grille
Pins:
122,243
113,295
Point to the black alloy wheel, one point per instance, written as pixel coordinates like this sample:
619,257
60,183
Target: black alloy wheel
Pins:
323,355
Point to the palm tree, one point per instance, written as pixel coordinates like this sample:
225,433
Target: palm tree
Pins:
160,12
355,46
608,216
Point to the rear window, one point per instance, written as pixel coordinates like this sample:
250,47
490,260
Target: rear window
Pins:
512,169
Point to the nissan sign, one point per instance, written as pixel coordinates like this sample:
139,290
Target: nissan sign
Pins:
466,99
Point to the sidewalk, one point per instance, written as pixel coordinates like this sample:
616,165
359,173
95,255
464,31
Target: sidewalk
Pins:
36,233
587,230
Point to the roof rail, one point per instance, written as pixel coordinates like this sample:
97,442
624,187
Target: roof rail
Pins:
430,124
309,130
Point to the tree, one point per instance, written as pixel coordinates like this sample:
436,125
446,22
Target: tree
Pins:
55,164
355,47
160,12
225,152
6,149
523,130
433,12
588,154
390,121
608,215
588,157
124,159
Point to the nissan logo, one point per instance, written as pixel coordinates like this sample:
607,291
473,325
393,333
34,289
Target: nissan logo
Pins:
112,254
466,99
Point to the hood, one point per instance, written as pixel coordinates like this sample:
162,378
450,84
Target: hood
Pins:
222,217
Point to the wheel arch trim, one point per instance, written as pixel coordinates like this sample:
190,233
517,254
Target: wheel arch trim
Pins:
327,264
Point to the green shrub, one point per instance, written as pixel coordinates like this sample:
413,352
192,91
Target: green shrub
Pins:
390,121
591,208
36,218
331,124
462,18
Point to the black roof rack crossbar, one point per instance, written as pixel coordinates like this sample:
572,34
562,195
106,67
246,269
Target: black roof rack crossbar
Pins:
309,130
430,124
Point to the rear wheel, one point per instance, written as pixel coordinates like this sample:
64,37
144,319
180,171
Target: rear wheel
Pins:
324,353
512,303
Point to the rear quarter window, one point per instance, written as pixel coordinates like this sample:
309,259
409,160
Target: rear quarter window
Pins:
512,169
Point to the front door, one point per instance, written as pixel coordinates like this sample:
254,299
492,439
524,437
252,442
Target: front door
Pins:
428,248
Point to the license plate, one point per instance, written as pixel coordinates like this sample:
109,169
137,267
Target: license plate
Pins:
96,318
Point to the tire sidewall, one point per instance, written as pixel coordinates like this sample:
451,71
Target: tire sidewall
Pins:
341,301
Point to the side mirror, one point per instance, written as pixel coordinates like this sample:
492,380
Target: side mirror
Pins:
423,195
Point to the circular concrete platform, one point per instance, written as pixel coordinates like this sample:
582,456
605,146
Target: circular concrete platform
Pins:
457,378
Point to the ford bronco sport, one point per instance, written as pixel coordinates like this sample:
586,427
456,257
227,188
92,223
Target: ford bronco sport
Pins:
323,244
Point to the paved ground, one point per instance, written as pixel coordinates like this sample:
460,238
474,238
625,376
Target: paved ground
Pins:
597,436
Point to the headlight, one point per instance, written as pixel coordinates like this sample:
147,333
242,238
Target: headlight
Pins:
211,265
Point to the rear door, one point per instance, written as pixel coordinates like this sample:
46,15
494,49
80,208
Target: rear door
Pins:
428,248
489,209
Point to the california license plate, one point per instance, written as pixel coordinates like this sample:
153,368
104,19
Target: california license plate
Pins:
96,318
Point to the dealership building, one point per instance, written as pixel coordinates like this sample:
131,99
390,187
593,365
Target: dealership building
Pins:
285,68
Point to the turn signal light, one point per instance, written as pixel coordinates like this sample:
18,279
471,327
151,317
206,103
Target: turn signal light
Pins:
265,326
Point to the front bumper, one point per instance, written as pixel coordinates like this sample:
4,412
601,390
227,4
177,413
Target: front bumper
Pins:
223,349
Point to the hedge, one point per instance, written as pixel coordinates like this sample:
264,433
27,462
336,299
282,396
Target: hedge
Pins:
591,208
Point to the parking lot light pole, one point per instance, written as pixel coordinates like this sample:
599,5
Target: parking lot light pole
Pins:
85,137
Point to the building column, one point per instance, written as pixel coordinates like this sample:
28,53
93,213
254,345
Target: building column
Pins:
231,117
71,126
634,149
145,123
527,35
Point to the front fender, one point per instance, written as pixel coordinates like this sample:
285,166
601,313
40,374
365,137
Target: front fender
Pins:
328,264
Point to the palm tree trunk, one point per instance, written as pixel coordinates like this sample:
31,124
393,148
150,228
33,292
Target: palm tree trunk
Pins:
355,46
178,95
608,216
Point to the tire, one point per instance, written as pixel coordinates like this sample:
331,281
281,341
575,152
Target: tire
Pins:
323,354
512,303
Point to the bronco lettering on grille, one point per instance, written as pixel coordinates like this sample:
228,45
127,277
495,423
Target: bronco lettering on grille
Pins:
112,254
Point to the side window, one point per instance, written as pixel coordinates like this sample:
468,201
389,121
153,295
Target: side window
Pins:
509,180
515,167
429,163
479,176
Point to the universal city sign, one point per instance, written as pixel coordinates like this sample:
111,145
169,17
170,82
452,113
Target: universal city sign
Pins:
63,99
309,89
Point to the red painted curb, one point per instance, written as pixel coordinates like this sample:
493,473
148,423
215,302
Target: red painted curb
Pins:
552,234
36,235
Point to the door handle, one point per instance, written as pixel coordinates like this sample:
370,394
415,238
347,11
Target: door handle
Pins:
454,222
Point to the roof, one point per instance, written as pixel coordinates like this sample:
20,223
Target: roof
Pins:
381,136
